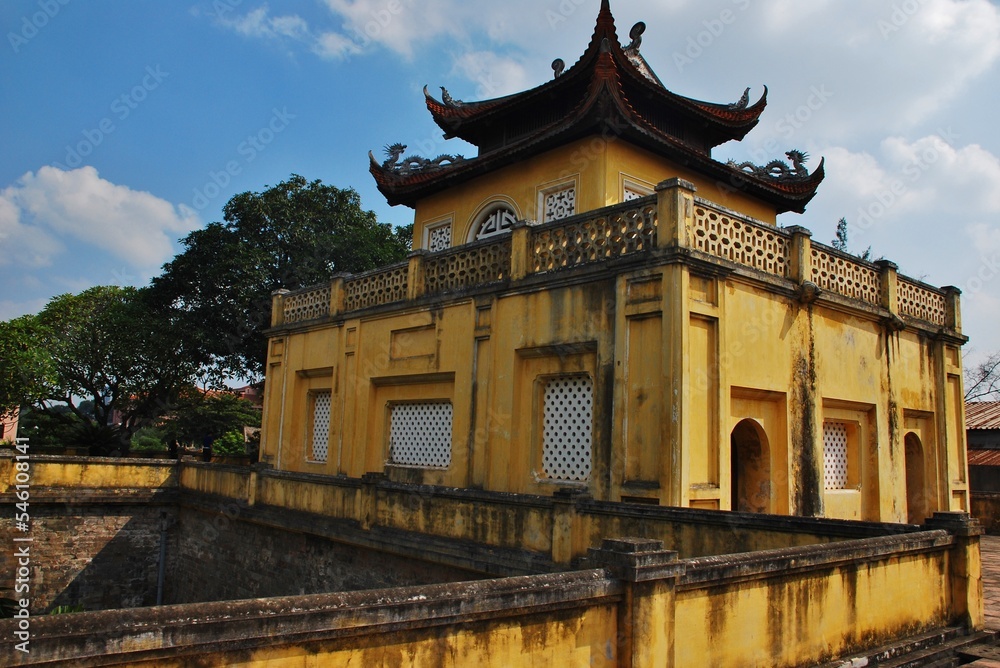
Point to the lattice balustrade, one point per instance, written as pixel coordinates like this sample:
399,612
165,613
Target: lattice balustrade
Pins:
420,434
468,266
844,276
918,301
384,286
306,304
741,241
575,242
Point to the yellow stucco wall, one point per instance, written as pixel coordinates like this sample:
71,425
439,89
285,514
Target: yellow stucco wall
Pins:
714,386
600,168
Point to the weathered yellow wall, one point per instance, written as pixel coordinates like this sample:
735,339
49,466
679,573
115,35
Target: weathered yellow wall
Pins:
72,472
599,167
795,622
587,638
679,354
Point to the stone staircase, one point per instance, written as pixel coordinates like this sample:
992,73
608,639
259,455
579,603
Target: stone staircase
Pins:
942,648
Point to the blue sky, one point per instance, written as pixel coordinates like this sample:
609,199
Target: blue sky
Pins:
126,125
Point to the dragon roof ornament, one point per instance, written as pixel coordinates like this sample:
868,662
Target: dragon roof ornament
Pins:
778,170
448,99
412,164
742,103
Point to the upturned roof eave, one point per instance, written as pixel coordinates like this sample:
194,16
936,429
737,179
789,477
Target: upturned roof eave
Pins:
470,121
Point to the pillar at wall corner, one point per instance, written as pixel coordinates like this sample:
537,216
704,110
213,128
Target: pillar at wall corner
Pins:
965,586
646,614
675,212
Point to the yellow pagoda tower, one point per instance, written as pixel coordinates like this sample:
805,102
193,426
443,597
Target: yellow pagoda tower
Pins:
596,305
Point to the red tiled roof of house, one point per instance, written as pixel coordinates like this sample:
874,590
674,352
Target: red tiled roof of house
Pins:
984,457
982,415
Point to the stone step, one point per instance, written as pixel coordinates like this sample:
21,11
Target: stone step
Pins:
940,648
945,654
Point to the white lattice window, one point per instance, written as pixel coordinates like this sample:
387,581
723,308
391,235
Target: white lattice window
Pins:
559,204
420,434
836,455
320,436
568,417
631,191
439,237
495,220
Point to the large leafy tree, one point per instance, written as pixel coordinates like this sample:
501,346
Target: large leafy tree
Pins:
102,360
291,235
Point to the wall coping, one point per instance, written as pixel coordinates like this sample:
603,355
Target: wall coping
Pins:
722,569
147,634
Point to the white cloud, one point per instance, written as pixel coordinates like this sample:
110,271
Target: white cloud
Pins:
41,209
494,75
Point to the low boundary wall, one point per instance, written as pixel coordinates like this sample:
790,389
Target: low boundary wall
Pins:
811,590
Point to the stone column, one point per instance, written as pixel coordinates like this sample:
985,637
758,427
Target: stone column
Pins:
520,250
278,307
674,213
646,614
952,308
415,278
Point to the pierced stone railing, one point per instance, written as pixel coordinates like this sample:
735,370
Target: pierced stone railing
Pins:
612,232
739,239
921,301
306,304
838,272
375,288
466,266
672,219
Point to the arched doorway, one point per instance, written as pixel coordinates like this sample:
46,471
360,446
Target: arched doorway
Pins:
916,481
750,462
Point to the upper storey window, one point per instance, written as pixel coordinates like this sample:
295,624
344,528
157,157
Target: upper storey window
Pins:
495,219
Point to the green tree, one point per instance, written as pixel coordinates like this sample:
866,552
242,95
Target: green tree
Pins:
198,415
840,241
102,362
291,235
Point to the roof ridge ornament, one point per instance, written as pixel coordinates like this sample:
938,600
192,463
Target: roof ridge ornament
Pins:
778,170
413,163
635,34
450,101
742,103
558,66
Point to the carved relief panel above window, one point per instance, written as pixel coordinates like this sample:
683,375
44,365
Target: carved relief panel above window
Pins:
559,204
496,219
439,237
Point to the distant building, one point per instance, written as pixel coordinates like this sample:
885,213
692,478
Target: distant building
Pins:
8,427
982,424
596,304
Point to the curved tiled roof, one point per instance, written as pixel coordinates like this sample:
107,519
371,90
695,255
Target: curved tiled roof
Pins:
609,91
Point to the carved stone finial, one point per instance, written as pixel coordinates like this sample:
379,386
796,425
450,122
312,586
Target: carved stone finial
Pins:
558,66
635,34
